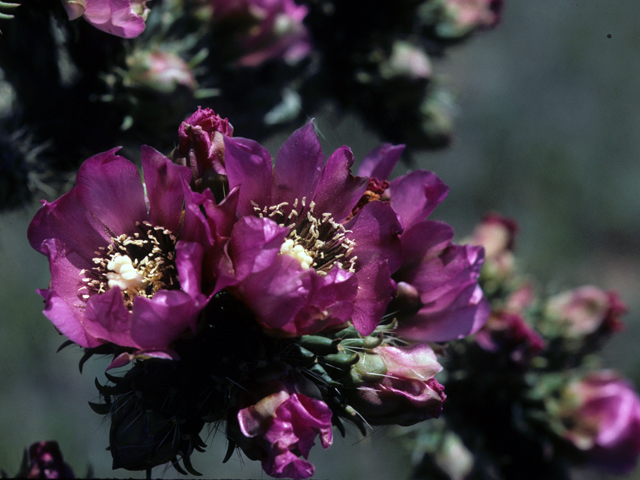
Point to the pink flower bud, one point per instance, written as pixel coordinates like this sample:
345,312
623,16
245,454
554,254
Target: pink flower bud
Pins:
496,234
201,146
509,333
159,70
602,417
45,461
122,18
586,310
471,14
407,61
397,385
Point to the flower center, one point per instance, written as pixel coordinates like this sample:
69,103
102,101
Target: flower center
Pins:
316,241
140,264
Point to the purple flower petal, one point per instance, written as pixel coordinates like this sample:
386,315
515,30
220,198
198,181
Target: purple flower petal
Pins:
416,195
66,268
109,187
249,166
107,318
63,316
423,239
68,221
115,17
339,191
195,226
375,289
189,264
277,293
298,167
255,243
448,318
164,188
375,232
329,302
157,321
281,427
379,163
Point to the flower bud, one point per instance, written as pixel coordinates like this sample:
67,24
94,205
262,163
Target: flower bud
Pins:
587,310
407,61
601,417
458,18
266,30
44,460
497,234
509,334
201,148
159,70
454,458
396,385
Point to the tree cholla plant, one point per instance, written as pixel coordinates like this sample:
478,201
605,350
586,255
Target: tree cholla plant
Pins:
279,300
527,395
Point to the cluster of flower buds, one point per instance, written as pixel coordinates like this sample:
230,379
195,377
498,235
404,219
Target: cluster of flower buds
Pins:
43,460
270,63
527,396
280,298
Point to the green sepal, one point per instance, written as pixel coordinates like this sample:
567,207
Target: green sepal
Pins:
319,345
340,360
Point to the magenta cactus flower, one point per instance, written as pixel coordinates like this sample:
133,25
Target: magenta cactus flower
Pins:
439,298
296,256
281,428
276,29
397,385
120,273
122,18
602,415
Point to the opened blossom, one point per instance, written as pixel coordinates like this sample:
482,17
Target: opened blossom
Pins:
439,298
122,18
120,272
296,255
280,429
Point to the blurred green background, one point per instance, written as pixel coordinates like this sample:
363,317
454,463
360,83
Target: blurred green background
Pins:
548,132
